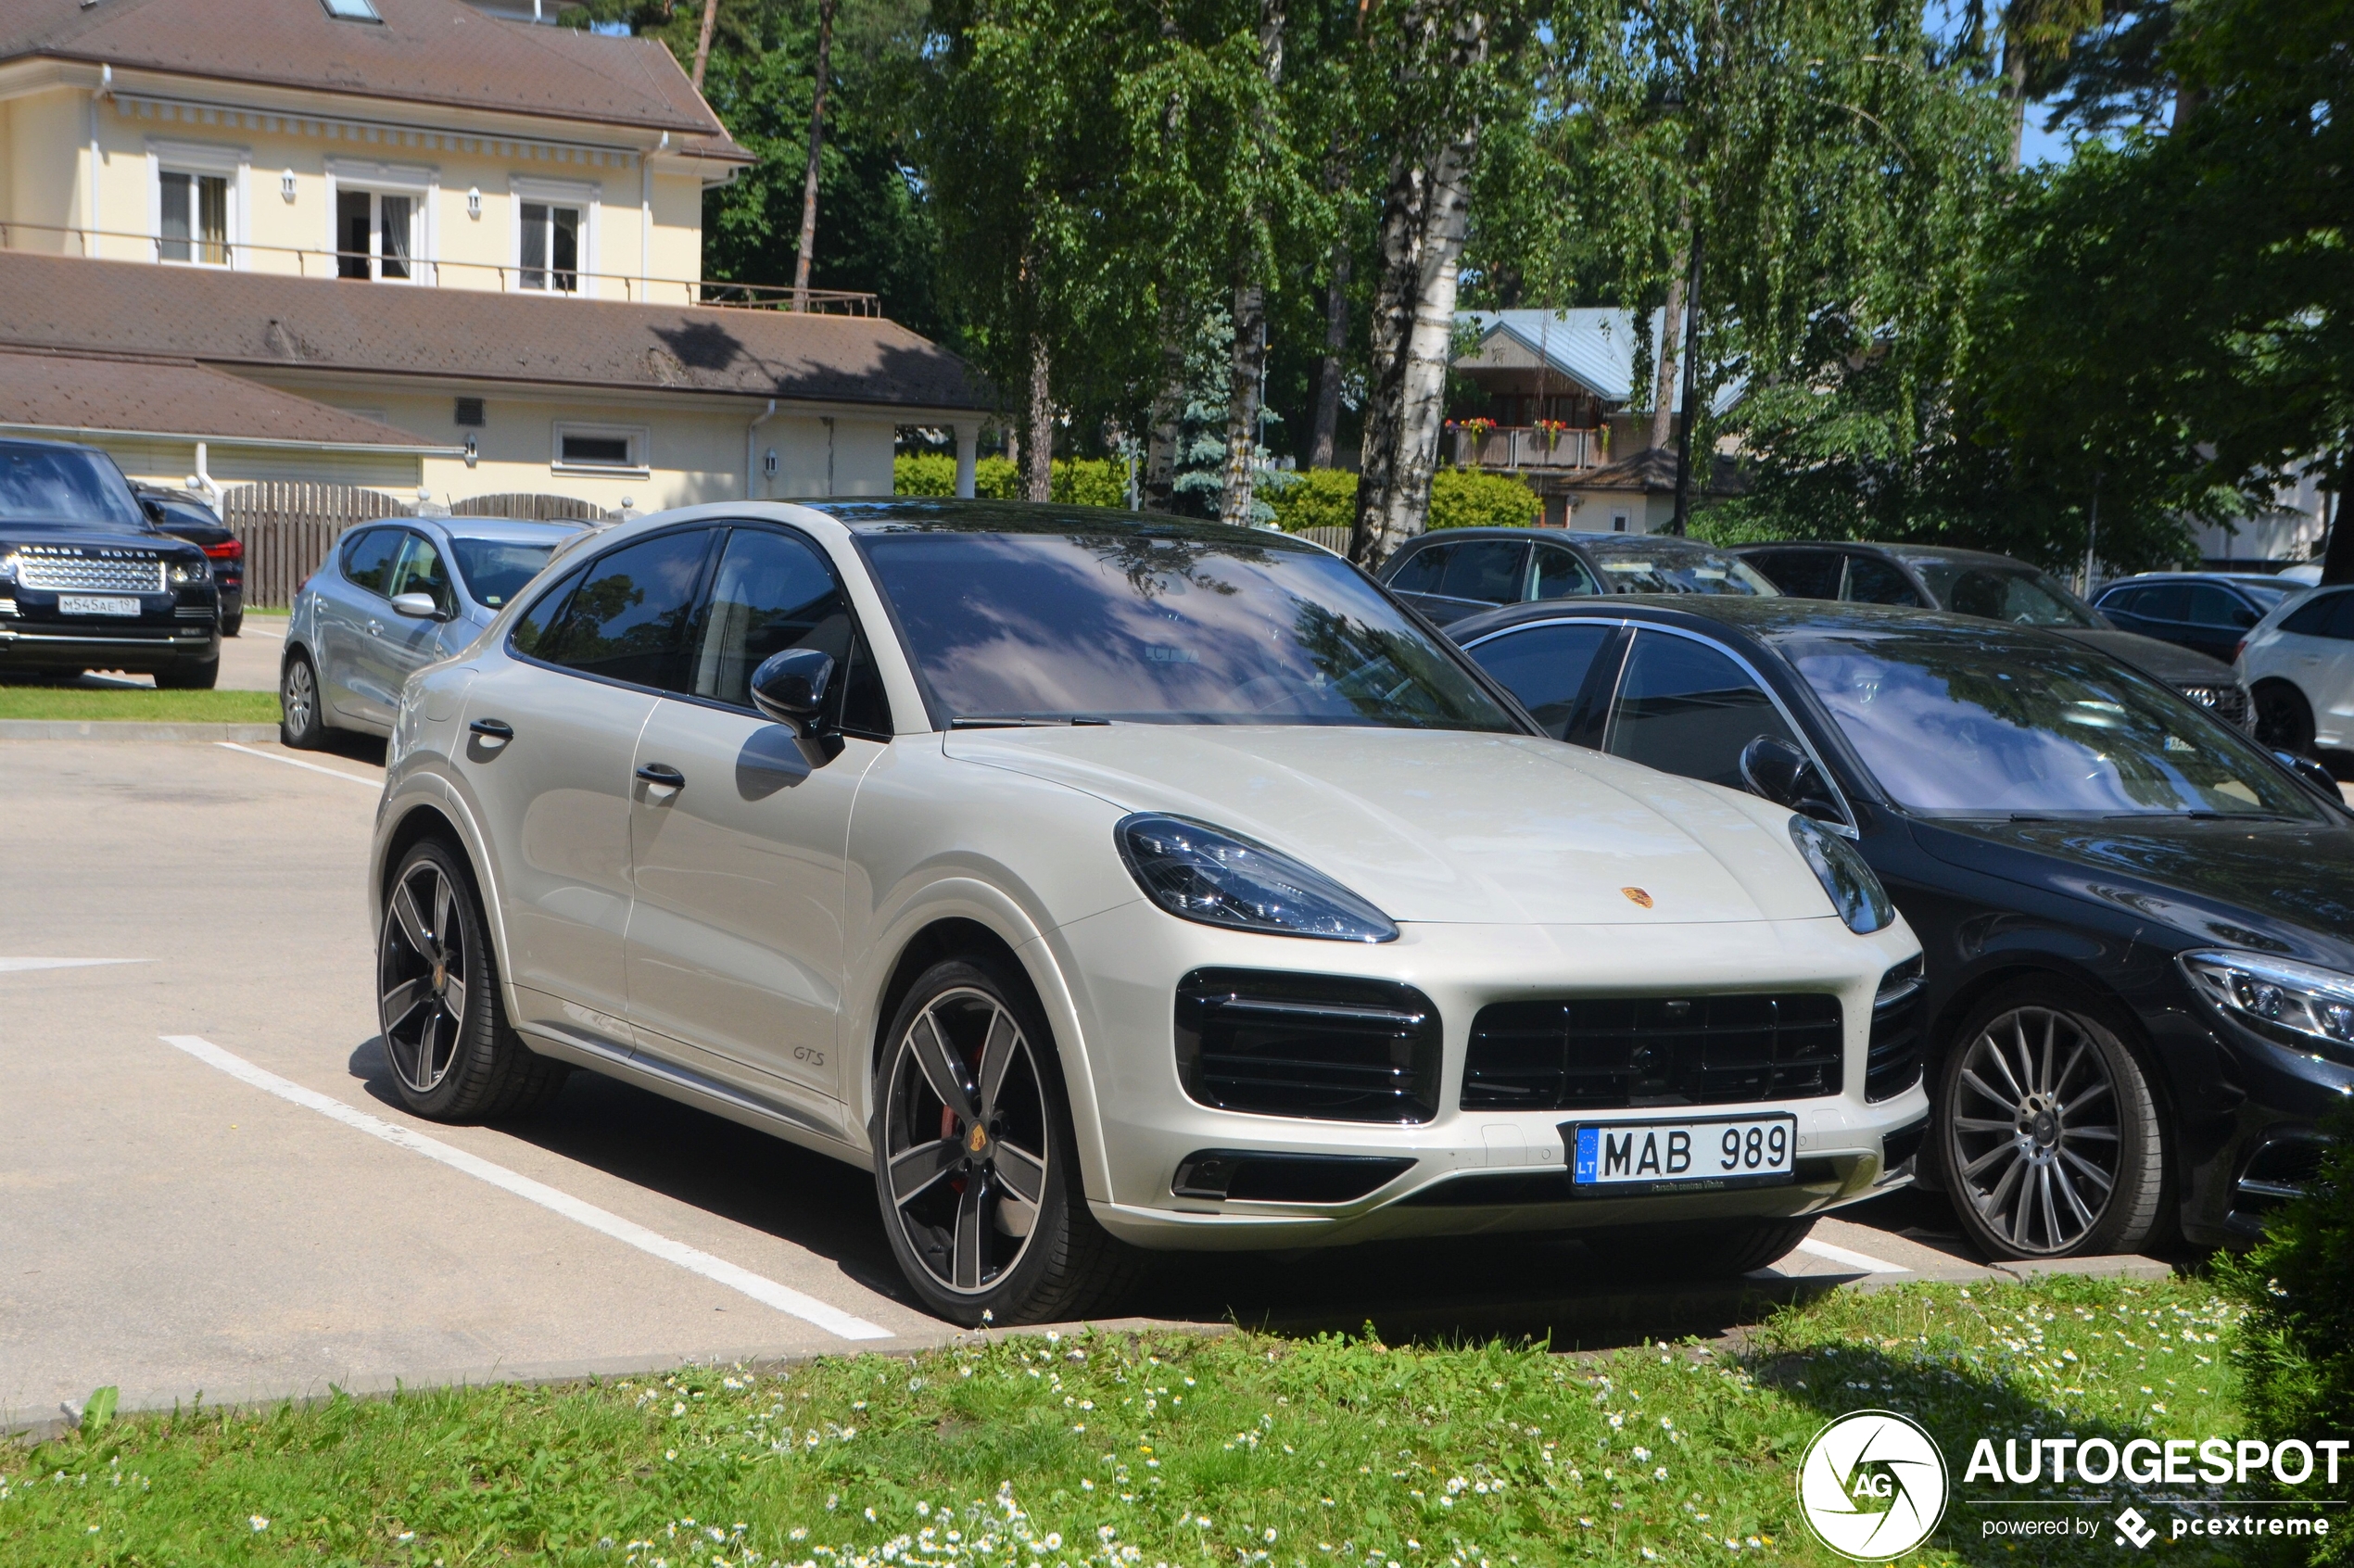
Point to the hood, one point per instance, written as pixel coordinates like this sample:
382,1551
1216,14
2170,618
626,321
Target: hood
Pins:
92,536
1443,827
2272,887
2174,665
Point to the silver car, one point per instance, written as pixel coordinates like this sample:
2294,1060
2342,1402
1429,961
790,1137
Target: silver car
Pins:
1105,883
390,599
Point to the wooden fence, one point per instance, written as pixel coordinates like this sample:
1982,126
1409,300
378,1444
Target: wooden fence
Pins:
288,529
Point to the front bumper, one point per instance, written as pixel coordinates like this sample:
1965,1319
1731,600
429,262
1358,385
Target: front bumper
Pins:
1125,965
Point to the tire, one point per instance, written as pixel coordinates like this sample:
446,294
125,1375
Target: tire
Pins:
961,1172
302,723
2047,1130
190,677
445,1032
233,622
2283,719
1709,1249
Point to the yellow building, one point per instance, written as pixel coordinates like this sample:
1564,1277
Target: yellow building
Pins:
477,235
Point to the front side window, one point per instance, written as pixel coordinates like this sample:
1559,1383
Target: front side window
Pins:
368,558
628,619
1544,667
376,235
1958,727
419,569
1486,570
772,593
2020,595
1689,709
2211,606
193,218
550,258
1560,574
1169,624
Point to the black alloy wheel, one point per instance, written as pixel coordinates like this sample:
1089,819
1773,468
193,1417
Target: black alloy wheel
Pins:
2283,719
444,1030
2050,1134
974,1164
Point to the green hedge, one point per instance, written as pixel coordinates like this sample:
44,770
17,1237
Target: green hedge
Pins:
1465,498
1077,481
1319,497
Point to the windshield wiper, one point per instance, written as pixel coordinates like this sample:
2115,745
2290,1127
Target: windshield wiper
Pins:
1020,721
2204,815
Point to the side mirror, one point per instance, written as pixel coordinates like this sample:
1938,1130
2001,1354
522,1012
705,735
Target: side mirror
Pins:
1788,776
790,687
416,606
2314,776
153,508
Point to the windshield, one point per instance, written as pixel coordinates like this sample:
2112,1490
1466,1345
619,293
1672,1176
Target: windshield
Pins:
2020,595
1176,626
1953,727
496,570
1641,569
62,485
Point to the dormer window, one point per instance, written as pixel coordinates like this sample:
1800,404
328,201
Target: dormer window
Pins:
352,10
194,216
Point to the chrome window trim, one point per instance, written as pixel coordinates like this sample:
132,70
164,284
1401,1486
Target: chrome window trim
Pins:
1845,829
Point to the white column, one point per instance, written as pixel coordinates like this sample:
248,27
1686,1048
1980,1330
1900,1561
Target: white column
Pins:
967,455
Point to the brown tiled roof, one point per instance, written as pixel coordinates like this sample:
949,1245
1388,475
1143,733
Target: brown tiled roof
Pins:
271,321
440,52
1653,470
70,393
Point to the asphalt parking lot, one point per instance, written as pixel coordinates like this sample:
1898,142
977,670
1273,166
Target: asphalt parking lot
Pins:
207,1185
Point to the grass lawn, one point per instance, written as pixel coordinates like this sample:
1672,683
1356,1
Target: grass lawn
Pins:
138,702
1110,1453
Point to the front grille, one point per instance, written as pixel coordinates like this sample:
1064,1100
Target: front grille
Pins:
2227,701
1894,1062
193,613
71,570
1311,1045
1593,1053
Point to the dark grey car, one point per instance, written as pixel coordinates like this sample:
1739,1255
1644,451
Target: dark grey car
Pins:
1990,587
1458,572
392,598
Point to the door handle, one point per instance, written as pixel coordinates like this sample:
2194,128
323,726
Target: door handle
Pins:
662,775
375,628
492,729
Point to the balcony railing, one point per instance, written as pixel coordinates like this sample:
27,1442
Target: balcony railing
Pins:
1527,446
422,272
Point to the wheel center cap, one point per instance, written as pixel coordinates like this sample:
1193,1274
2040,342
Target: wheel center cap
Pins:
2046,1127
977,1141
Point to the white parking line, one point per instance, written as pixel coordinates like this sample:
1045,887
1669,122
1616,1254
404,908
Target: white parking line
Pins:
16,966
295,762
1852,1259
808,1308
249,629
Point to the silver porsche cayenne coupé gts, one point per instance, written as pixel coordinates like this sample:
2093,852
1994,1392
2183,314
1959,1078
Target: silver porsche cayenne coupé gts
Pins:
1106,884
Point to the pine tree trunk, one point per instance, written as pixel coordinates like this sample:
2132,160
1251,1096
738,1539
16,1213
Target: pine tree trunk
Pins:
2014,89
816,146
1671,336
1326,429
702,40
1425,214
1241,404
1166,427
1040,445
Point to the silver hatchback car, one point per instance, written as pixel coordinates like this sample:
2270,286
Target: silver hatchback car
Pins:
392,598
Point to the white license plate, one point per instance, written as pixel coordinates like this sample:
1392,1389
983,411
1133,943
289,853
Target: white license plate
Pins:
85,604
1707,1155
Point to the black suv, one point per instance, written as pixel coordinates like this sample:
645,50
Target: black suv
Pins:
191,517
1452,573
87,581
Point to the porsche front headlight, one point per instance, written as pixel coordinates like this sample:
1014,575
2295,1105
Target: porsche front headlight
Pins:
1854,890
2301,1005
1197,872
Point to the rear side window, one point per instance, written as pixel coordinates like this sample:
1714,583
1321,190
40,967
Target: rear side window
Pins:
1546,668
1803,573
628,619
367,559
1689,709
1488,570
1873,581
2312,617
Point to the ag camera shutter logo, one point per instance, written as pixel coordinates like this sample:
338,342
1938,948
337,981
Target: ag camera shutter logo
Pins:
1872,1486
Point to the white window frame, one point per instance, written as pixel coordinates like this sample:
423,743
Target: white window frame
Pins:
641,465
586,195
420,183
200,157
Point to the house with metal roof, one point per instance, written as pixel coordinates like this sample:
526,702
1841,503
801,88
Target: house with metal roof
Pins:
412,244
1551,398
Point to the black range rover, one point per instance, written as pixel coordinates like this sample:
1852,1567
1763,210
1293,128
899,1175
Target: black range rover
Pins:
87,582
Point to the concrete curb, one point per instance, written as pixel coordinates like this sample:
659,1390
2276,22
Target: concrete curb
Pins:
128,729
1660,1313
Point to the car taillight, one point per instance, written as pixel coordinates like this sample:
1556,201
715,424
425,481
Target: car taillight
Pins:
228,550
